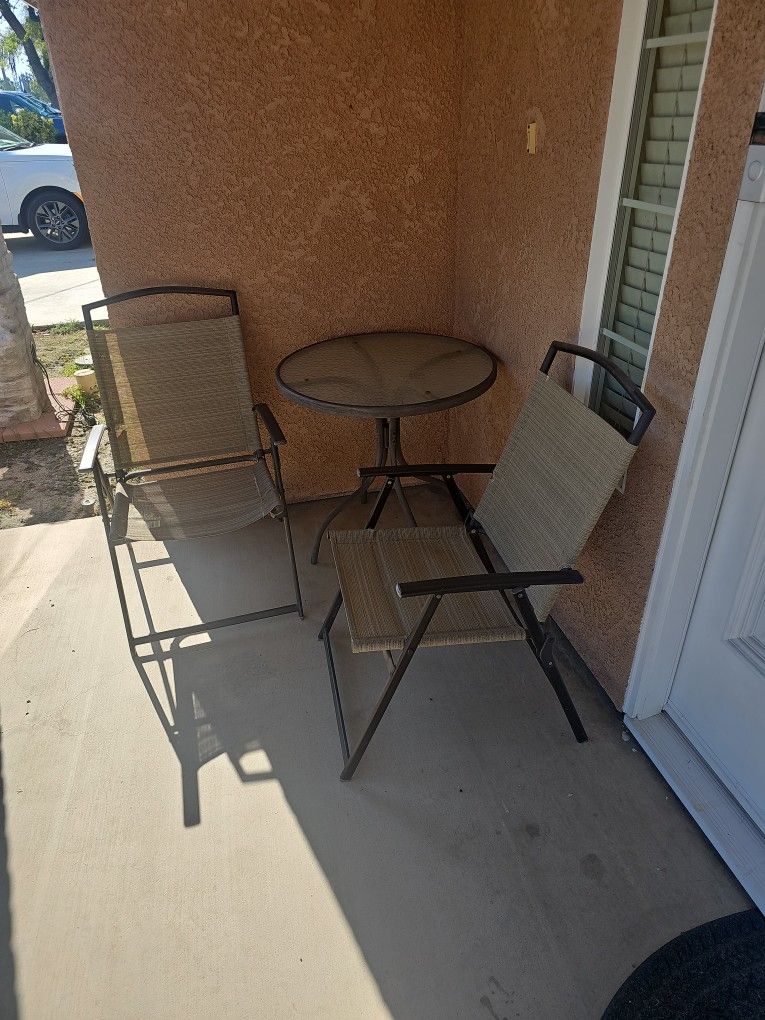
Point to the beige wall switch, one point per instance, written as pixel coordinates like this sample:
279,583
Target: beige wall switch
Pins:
531,138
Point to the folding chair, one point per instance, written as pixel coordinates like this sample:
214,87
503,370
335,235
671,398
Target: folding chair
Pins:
437,586
185,440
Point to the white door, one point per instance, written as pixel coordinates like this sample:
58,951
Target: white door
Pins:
717,697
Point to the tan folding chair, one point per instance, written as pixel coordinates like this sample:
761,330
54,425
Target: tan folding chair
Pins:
438,586
184,438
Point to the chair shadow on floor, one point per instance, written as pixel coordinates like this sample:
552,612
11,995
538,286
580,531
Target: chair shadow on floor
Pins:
478,840
204,710
208,694
201,721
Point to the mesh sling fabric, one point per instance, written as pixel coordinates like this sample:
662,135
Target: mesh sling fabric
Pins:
174,394
551,484
558,470
371,563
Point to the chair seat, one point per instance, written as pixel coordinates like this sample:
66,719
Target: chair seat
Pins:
191,504
371,563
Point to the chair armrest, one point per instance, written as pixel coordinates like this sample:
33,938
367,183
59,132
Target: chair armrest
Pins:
407,470
90,453
633,391
515,582
265,413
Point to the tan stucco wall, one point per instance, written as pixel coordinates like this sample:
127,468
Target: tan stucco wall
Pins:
619,561
524,227
351,165
524,222
304,153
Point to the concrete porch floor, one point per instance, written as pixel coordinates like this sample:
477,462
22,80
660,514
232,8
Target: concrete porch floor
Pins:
480,865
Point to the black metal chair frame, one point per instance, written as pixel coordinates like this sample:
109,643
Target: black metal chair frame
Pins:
90,462
512,585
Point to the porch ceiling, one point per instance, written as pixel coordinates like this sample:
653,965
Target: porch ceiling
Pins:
480,862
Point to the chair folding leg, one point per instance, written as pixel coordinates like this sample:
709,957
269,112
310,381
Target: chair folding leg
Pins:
121,593
287,528
99,483
380,502
293,564
461,504
197,628
556,682
351,761
541,645
326,627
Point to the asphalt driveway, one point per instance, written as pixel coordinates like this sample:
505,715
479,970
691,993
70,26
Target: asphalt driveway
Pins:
55,284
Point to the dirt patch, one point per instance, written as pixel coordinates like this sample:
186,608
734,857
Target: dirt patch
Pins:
39,480
58,346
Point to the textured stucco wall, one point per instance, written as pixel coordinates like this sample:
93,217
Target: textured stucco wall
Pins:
351,165
524,226
524,222
303,152
618,562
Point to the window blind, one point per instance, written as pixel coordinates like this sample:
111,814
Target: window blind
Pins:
665,101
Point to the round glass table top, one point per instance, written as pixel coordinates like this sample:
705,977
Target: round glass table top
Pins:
386,375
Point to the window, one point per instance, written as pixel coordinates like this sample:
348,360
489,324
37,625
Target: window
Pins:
665,100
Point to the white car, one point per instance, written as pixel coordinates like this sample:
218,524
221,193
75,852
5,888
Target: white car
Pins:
39,192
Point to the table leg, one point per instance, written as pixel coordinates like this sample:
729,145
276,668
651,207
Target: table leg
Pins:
381,456
396,457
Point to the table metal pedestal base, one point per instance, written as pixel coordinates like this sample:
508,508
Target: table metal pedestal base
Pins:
388,452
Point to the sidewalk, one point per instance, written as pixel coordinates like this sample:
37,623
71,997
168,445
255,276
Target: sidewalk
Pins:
55,284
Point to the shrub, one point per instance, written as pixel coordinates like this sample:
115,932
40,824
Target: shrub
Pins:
29,125
89,402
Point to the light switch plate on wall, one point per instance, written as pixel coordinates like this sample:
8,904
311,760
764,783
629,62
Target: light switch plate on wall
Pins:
531,138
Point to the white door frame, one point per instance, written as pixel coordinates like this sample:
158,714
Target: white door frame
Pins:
729,361
720,397
628,52
726,374
722,384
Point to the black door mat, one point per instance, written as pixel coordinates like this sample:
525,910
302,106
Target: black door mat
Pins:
714,971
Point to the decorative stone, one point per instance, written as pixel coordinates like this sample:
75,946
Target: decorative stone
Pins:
22,391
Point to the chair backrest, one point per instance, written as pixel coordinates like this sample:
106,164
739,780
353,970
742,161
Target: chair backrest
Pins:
558,470
174,392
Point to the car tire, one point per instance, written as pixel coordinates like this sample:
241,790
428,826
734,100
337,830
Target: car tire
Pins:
58,219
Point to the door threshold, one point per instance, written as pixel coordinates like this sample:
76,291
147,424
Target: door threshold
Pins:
730,830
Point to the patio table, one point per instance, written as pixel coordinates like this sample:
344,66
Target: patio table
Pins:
386,377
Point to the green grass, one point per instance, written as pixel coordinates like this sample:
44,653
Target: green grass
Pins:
67,328
58,346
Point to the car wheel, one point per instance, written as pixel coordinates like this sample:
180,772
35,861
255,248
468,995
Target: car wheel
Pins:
58,219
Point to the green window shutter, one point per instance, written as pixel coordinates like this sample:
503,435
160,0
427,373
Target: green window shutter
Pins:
665,100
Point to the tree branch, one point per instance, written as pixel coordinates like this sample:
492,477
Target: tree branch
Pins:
36,65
